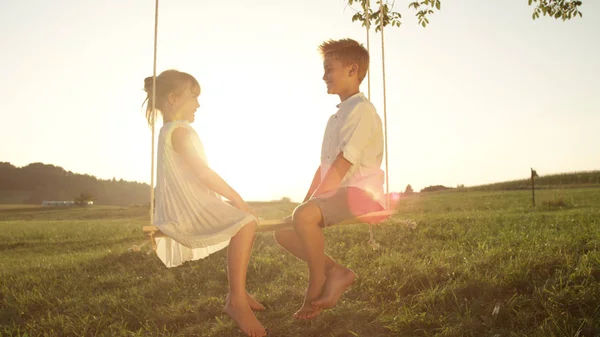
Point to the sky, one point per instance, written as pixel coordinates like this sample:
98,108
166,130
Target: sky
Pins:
479,96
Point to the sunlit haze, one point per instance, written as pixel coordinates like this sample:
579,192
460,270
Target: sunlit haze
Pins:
480,95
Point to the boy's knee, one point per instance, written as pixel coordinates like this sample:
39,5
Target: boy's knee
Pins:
306,214
278,235
283,236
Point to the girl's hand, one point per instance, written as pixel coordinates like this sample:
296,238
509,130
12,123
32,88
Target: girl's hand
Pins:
241,204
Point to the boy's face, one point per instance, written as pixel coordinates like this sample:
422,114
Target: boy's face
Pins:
337,77
186,104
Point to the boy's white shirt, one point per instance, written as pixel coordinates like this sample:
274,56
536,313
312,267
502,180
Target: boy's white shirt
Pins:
356,131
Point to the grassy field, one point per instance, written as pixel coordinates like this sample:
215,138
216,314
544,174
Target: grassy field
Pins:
478,264
17,206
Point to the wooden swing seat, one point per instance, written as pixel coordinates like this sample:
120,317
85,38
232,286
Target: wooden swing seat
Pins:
153,232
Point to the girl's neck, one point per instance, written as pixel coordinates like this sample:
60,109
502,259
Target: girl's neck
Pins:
168,119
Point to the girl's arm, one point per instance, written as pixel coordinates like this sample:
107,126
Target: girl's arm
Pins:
183,146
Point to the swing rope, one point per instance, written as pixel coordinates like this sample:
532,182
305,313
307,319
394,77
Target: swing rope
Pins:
387,185
269,225
372,241
153,113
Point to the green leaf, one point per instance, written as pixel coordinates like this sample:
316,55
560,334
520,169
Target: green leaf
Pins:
423,24
530,2
438,5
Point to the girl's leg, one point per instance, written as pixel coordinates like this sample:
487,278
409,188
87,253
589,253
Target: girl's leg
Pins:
237,306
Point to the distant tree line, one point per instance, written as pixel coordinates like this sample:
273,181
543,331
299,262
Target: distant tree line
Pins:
559,180
435,188
37,182
562,180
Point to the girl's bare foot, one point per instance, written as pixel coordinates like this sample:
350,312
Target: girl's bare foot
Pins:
312,293
241,313
254,304
339,279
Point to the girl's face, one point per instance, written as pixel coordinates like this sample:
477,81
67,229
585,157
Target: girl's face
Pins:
185,105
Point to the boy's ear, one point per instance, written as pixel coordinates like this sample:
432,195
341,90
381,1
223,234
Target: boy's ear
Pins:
353,69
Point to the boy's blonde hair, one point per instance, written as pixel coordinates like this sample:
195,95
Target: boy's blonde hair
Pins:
348,52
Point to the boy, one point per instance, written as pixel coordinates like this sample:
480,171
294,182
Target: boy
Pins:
349,181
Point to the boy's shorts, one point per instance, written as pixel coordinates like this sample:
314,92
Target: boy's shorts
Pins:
344,204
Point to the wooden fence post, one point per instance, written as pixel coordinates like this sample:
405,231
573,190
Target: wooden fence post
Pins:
533,175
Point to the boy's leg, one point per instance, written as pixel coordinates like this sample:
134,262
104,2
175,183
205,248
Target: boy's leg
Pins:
307,218
347,203
338,277
237,306
288,239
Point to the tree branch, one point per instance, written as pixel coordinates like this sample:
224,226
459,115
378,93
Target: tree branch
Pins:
557,9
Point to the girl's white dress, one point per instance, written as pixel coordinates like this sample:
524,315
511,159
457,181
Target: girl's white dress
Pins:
195,219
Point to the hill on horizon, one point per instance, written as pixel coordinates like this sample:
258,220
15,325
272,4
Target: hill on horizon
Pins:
37,182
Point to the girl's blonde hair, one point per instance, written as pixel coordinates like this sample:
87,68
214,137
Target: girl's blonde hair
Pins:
169,81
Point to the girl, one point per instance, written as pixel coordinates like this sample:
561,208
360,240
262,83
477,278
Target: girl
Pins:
189,210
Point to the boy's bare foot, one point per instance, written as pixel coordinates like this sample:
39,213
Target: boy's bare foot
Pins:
338,280
312,293
254,304
245,319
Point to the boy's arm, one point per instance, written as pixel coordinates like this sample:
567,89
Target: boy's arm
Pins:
355,136
314,184
334,175
210,178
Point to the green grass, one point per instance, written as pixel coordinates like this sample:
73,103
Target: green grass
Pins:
478,264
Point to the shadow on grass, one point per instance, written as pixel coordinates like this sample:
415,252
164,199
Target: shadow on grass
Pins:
44,246
72,213
136,291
